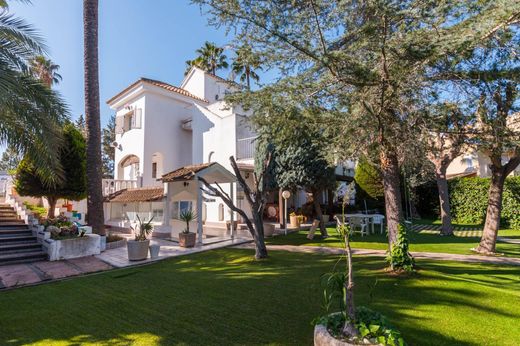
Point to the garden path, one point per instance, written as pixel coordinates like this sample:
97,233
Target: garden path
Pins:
382,253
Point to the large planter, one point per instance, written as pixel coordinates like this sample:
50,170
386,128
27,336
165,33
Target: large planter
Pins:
295,222
87,245
322,337
268,229
325,218
137,250
187,239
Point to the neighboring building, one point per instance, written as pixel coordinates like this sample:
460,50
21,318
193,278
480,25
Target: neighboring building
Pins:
474,163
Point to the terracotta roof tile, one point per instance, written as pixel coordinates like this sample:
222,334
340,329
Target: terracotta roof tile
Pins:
160,84
142,194
185,173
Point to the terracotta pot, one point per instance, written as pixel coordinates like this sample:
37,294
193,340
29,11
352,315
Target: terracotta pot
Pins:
187,239
268,229
228,225
137,250
295,222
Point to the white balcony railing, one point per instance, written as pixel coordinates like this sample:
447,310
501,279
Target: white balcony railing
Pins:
246,148
114,185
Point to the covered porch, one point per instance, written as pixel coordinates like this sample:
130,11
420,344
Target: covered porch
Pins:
183,191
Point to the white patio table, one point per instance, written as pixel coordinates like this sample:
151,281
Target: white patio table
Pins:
368,217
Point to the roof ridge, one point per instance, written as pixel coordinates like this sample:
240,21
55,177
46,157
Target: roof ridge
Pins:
160,84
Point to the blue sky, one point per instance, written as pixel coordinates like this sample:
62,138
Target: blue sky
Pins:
137,38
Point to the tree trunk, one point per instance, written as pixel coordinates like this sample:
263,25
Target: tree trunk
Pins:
93,126
258,236
319,214
489,235
392,187
349,327
444,199
330,201
52,207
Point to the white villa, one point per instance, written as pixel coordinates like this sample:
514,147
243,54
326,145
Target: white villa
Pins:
166,137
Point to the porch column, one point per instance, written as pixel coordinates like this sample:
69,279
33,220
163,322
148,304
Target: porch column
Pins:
199,212
232,214
166,206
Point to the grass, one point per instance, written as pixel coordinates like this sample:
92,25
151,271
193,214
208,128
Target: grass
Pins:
222,297
420,242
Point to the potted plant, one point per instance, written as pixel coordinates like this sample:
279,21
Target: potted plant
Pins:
138,248
186,238
295,221
268,229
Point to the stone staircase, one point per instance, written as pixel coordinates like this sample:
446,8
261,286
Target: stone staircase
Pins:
17,244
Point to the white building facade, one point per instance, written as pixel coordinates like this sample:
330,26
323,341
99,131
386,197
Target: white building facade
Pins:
161,128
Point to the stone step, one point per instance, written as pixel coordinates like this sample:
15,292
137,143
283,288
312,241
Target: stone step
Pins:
17,238
22,257
10,220
20,247
14,226
10,232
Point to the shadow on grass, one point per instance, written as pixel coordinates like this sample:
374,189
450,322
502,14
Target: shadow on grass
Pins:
224,297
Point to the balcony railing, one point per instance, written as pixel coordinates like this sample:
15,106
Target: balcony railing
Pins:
246,148
114,185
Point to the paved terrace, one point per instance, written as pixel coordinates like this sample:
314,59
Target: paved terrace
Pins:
17,275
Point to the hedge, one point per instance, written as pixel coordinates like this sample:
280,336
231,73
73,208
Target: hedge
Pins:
468,197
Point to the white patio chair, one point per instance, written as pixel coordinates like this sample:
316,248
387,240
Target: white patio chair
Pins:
379,220
359,222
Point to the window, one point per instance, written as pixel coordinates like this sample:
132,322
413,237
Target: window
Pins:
154,170
221,212
180,207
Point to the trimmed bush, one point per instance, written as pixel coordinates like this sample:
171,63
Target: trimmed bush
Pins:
469,196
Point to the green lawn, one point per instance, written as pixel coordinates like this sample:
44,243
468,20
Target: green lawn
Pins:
223,297
422,242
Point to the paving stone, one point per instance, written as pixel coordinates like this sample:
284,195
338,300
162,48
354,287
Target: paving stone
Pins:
89,264
18,275
57,269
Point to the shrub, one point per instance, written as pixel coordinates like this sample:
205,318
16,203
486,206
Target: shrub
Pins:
369,178
469,197
400,258
373,327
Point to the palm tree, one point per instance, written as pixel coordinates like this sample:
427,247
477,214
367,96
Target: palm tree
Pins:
197,62
94,163
45,70
30,113
245,64
211,58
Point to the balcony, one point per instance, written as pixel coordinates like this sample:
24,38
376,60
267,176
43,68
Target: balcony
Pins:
113,185
246,148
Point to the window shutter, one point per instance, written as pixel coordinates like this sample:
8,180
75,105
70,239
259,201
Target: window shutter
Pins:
120,123
137,118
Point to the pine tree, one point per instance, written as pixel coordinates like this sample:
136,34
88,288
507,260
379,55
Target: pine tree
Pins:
371,60
10,160
108,152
